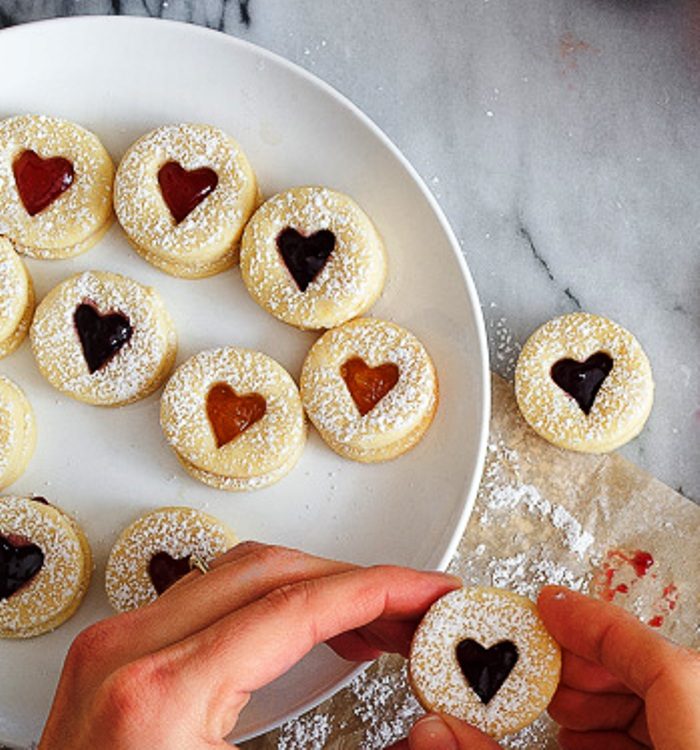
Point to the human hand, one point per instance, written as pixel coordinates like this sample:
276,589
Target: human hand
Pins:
177,673
623,686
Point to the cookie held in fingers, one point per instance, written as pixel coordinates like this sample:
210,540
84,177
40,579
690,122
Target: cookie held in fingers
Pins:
370,389
16,299
56,181
484,656
234,419
311,257
584,383
45,567
158,549
103,338
183,194
17,432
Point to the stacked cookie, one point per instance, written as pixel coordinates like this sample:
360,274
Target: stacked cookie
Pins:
56,181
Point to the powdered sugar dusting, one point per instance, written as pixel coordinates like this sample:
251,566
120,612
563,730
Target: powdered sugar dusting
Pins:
62,575
329,403
488,616
177,531
135,370
266,446
349,282
76,214
621,405
386,708
14,290
215,225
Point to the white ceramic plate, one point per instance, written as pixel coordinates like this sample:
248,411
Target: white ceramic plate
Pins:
120,77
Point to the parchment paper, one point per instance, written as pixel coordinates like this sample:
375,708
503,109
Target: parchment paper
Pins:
542,515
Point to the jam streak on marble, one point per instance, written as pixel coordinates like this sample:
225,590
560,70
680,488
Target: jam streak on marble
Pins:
41,181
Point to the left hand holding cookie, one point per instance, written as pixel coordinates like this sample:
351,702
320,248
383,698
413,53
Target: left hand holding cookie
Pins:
178,672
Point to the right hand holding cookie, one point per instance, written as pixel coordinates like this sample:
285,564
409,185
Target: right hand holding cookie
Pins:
623,686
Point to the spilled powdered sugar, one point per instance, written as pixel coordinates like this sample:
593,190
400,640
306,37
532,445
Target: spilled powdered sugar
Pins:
311,732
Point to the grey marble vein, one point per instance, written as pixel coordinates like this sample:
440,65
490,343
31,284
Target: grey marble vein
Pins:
559,136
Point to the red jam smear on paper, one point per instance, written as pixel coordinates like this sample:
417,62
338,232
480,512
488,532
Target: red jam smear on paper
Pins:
633,566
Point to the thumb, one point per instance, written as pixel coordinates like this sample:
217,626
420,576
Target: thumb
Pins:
440,732
608,635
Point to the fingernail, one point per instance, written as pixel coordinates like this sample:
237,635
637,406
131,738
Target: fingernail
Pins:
431,733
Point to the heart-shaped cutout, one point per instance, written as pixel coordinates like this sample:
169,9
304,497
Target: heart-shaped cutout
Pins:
304,256
40,181
368,385
486,669
101,336
20,561
184,190
164,570
582,380
230,414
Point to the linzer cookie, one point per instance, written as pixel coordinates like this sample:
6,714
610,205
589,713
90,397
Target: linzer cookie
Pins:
370,389
484,656
183,194
16,299
311,257
17,432
103,339
157,550
234,419
584,383
56,186
45,567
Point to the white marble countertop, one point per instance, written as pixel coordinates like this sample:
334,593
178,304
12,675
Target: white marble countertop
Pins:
559,136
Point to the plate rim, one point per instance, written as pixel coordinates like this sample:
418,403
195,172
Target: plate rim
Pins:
471,488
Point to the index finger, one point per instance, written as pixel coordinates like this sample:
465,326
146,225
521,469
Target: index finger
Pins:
253,646
607,635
